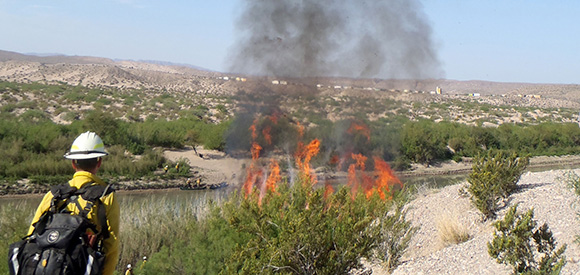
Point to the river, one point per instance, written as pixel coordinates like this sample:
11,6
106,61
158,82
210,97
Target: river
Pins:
197,198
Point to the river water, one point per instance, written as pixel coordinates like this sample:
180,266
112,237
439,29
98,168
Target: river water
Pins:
198,198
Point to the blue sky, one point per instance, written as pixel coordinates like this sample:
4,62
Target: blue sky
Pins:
507,41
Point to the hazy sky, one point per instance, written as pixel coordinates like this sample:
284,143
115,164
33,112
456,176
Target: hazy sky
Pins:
507,41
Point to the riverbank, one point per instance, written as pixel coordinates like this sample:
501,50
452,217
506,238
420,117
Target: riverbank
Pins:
214,167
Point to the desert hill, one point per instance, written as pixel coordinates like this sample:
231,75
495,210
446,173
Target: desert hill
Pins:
140,89
104,72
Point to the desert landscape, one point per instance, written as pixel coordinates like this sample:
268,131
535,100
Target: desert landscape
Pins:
137,91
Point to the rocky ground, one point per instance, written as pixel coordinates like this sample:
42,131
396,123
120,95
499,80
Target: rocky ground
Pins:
553,200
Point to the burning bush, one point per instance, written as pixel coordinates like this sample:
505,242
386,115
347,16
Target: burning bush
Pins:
301,230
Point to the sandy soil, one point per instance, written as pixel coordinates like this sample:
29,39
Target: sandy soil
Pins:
213,166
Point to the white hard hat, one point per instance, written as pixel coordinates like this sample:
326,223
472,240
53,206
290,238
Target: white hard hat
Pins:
87,145
129,266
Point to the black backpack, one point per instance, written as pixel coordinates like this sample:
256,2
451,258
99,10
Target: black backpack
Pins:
60,243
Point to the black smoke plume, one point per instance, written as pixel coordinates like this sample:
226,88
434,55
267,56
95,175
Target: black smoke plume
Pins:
349,38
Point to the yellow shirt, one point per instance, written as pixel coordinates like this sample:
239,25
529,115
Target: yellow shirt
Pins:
111,245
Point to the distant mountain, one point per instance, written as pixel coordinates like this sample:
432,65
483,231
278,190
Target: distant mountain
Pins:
167,63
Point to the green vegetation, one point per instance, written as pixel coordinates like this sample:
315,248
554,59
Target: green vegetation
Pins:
15,219
517,241
295,230
494,177
33,148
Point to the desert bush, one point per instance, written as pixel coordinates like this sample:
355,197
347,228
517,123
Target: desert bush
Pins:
395,233
494,176
302,231
294,230
572,180
519,242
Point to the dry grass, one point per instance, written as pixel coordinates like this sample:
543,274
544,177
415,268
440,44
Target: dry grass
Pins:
450,230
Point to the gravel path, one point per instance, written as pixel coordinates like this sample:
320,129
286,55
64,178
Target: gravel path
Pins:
554,202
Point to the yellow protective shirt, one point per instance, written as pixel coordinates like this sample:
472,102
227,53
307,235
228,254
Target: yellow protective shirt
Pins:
111,245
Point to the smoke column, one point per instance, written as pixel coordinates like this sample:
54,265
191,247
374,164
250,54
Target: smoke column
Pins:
348,38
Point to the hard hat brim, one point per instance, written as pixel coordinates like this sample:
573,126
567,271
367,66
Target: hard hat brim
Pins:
84,155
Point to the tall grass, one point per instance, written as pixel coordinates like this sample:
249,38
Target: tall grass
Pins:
147,226
15,219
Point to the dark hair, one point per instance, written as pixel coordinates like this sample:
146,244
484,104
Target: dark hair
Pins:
87,164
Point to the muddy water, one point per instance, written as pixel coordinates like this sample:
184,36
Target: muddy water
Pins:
198,197
172,198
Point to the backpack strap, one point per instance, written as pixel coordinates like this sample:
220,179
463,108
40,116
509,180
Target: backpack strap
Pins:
60,193
93,194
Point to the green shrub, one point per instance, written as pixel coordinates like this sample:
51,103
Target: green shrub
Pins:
296,229
494,176
395,233
302,231
573,181
517,242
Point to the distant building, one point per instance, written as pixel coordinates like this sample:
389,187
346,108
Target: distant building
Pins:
275,82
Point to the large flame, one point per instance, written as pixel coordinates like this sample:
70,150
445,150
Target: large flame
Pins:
253,129
303,156
274,176
360,128
359,179
380,181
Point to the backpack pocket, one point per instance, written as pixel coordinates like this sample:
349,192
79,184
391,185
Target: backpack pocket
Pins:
61,231
23,257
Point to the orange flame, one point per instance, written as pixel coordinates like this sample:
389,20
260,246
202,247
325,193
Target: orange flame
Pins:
253,129
300,129
266,133
256,148
352,180
328,190
363,129
385,177
303,156
253,172
254,175
274,176
360,161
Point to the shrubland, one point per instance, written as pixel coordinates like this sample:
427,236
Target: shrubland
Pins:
295,230
529,249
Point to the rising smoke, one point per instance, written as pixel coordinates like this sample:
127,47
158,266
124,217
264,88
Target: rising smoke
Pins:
350,38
